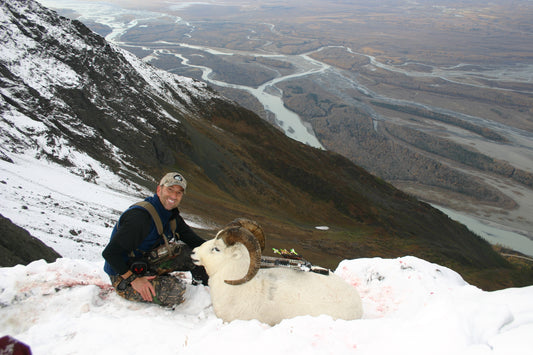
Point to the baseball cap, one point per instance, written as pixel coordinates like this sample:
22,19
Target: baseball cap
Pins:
172,179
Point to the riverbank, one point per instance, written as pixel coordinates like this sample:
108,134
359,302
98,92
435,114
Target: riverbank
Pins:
495,235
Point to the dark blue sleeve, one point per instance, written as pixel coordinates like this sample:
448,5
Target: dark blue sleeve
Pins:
133,226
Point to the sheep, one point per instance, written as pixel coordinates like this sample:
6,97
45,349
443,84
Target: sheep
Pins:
240,289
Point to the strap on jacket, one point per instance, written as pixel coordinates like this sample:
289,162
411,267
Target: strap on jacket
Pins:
157,220
155,216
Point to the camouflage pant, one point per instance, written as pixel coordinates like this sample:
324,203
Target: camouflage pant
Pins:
168,289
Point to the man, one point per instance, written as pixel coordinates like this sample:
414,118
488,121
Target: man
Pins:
132,257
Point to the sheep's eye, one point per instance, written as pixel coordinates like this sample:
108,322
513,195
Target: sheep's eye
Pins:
215,249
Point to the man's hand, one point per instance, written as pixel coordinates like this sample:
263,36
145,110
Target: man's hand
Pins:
144,287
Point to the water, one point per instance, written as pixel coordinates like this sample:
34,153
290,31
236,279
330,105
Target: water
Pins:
492,234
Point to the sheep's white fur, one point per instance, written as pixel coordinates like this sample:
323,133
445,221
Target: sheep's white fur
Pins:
273,294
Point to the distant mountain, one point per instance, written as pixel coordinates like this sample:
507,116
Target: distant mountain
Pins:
64,90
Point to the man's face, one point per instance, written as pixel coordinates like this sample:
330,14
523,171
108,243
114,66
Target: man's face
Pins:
170,197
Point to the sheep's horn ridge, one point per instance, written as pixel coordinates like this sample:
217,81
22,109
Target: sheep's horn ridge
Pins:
236,234
253,227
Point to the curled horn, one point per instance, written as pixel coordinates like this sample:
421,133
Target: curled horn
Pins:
253,227
236,234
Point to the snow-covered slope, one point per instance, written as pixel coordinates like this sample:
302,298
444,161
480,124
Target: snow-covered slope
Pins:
411,307
73,106
66,93
73,216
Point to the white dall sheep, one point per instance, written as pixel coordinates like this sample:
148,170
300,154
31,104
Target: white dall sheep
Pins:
241,290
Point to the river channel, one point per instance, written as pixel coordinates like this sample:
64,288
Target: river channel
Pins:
120,20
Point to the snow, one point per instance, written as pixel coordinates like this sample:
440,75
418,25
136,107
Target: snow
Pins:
160,80
68,307
410,306
42,70
45,73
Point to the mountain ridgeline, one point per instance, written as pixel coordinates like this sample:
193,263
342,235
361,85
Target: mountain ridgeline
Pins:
64,87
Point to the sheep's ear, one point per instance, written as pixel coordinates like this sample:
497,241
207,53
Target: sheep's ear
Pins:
234,235
236,253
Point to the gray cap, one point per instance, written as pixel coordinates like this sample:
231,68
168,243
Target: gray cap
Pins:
172,179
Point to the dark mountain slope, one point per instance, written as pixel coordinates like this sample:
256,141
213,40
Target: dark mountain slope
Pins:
309,185
17,246
65,92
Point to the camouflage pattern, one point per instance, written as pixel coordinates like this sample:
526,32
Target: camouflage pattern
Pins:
169,290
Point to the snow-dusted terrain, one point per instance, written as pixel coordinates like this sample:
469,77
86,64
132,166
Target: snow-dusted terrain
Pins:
68,307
